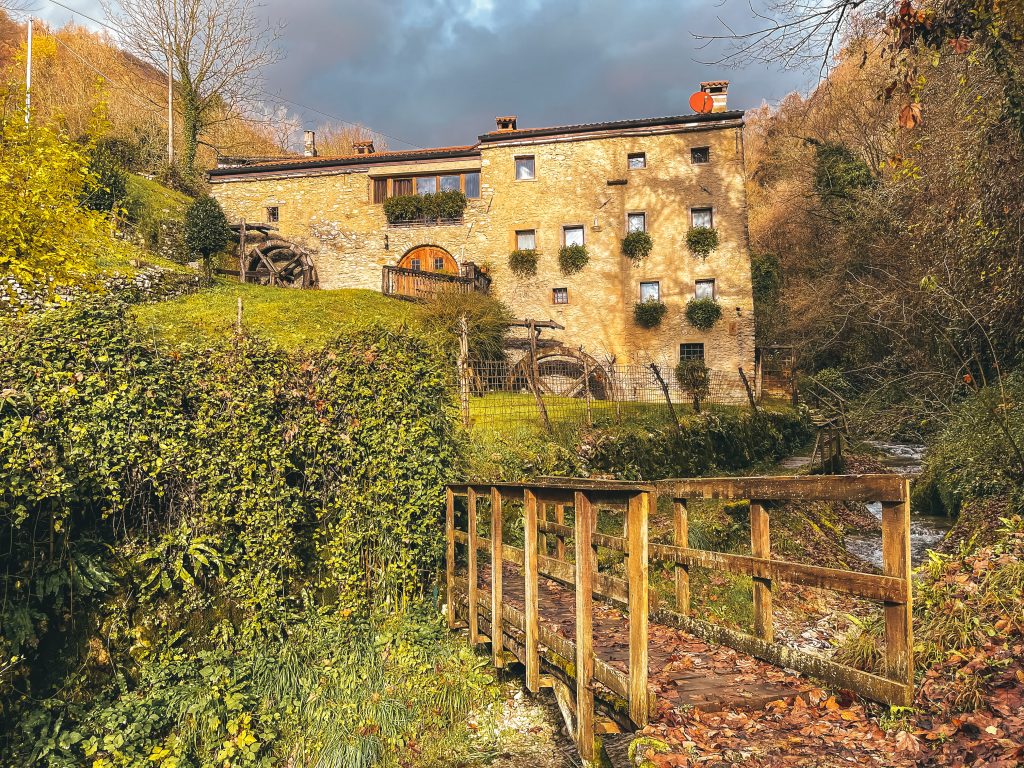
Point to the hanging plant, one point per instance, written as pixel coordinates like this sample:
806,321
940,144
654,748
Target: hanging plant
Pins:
572,258
649,313
637,246
702,241
703,313
523,262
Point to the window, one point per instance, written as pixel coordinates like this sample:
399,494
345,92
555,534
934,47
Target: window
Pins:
705,289
637,160
572,235
691,351
560,295
467,183
700,155
273,214
380,190
526,239
701,217
650,291
401,187
472,181
526,169
439,263
451,183
415,265
636,222
426,185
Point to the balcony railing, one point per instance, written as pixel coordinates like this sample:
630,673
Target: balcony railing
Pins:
426,223
419,286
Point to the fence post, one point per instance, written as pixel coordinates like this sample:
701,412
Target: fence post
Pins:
750,392
682,539
559,540
899,630
585,568
449,571
586,388
636,525
542,537
760,546
531,575
535,377
668,399
471,576
497,575
464,369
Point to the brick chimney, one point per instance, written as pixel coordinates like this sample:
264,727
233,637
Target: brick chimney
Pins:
718,90
507,123
309,142
363,147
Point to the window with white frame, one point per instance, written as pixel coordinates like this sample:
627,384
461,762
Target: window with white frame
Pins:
526,239
572,235
636,222
650,291
526,168
705,289
701,217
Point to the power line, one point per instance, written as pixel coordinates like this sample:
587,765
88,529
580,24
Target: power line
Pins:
120,33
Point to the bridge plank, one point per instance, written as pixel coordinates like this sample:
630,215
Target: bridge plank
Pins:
531,575
497,572
636,568
810,488
586,568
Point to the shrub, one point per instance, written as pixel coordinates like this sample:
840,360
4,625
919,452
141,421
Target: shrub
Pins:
446,205
703,313
637,246
206,229
442,205
572,258
523,262
108,187
702,241
695,379
487,319
649,313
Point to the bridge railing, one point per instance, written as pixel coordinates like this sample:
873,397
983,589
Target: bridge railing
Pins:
568,554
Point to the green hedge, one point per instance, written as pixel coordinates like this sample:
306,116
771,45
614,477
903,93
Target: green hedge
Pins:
440,205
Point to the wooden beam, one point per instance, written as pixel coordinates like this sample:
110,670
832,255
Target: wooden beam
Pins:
497,575
815,488
560,541
471,573
636,567
682,571
449,527
867,585
586,567
899,628
531,576
760,546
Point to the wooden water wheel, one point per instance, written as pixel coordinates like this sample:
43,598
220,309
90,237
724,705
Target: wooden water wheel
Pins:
269,259
563,372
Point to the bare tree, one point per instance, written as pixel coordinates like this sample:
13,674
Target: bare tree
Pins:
217,50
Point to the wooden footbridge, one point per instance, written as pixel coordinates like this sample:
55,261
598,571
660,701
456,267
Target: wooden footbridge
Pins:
626,653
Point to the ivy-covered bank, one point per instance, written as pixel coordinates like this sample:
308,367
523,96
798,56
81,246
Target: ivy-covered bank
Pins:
214,556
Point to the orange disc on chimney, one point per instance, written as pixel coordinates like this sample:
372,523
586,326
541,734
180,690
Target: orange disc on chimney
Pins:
702,102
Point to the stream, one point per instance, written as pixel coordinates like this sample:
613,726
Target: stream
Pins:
926,531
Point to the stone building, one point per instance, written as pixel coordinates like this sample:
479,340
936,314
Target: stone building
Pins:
541,188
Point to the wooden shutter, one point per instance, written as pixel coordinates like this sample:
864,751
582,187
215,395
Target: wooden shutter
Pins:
402,187
380,190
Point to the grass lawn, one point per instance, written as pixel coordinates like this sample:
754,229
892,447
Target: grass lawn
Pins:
292,318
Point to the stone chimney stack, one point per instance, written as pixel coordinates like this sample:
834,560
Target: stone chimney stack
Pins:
363,147
718,90
309,141
507,123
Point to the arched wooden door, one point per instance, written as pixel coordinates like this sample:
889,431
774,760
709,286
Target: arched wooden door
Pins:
429,258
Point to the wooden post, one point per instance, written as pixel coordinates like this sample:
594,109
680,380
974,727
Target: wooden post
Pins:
542,538
586,388
636,566
535,377
559,541
471,575
531,574
899,629
682,539
464,369
449,532
750,392
241,253
585,570
760,546
497,641
668,399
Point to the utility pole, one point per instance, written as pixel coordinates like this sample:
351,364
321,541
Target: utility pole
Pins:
170,109
28,72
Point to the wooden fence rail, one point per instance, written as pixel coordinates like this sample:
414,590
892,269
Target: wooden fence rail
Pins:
519,635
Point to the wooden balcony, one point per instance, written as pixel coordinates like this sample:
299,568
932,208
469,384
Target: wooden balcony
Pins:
416,285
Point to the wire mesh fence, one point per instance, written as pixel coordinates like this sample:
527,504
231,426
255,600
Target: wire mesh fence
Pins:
578,390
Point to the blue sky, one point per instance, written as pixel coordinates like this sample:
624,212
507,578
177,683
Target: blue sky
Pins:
437,72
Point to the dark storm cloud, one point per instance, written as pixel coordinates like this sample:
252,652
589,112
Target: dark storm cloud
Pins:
438,71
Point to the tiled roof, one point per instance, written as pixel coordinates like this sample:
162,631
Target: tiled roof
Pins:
646,122
300,163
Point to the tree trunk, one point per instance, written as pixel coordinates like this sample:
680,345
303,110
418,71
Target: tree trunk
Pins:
191,124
